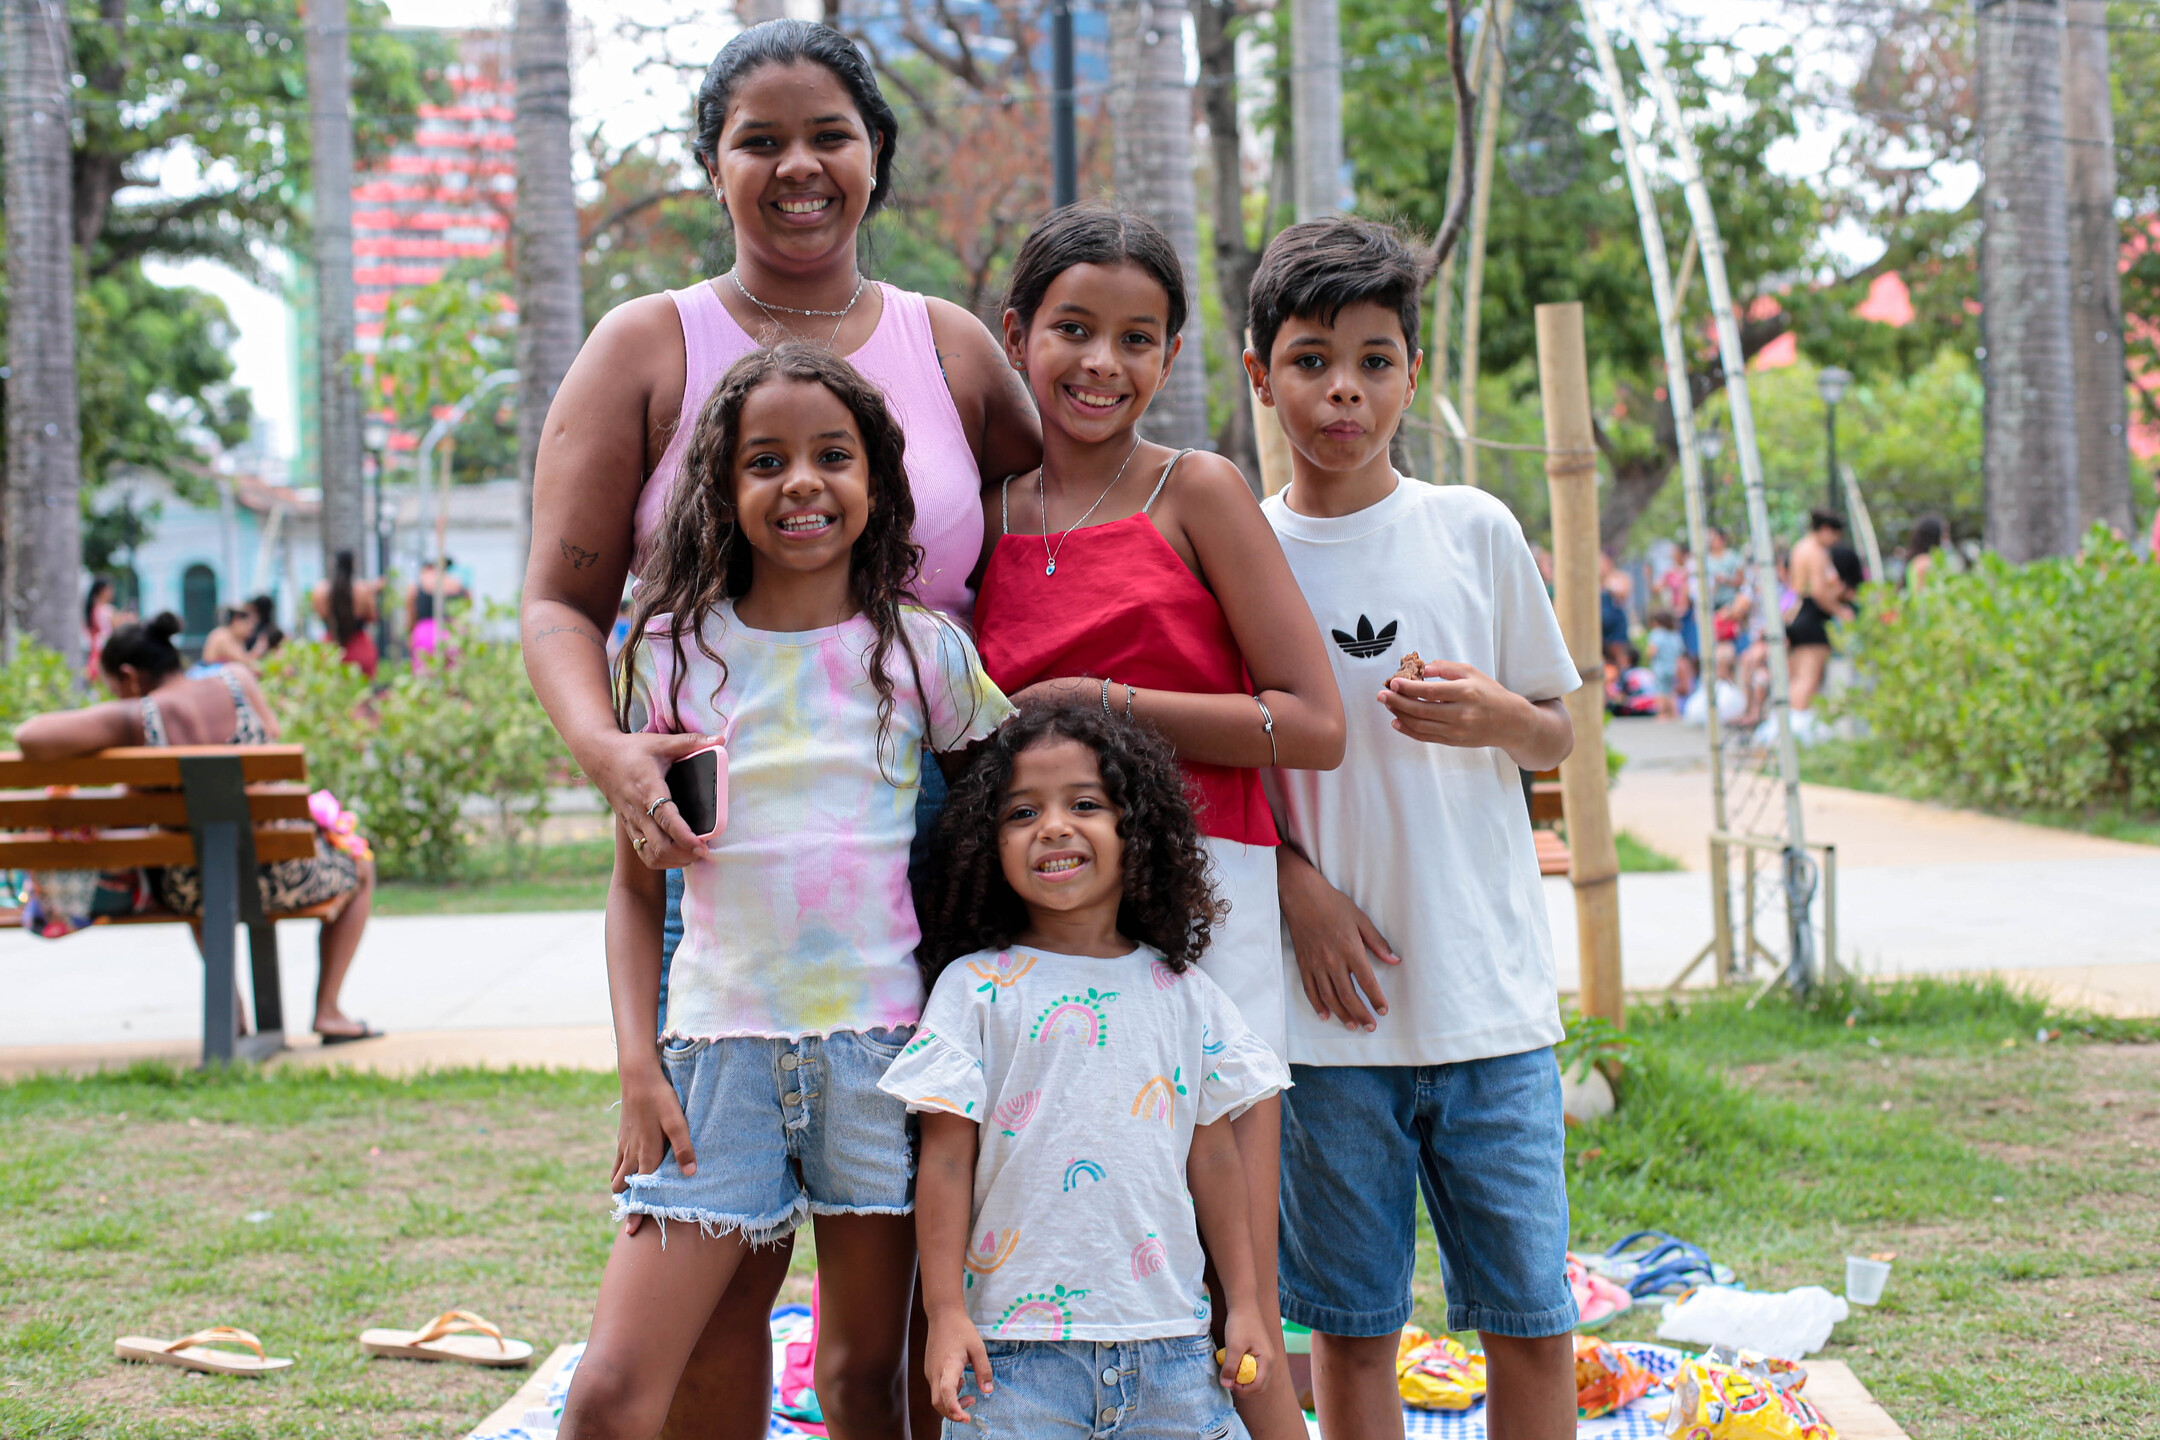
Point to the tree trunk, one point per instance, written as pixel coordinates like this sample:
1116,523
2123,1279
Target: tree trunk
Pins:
1151,120
551,322
2031,449
2096,317
43,512
338,405
1235,258
1316,106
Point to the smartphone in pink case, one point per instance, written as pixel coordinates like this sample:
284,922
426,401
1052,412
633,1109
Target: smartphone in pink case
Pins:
698,785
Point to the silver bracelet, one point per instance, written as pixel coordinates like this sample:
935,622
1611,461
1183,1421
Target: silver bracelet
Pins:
1106,697
1267,723
1130,691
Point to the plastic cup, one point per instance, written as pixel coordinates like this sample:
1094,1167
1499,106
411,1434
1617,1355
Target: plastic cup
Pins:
1864,1279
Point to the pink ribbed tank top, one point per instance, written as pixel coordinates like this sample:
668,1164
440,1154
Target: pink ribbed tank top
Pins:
900,358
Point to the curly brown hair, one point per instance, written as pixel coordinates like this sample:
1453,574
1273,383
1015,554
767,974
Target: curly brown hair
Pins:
1169,901
701,560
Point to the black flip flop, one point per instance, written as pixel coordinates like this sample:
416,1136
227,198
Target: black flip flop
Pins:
367,1032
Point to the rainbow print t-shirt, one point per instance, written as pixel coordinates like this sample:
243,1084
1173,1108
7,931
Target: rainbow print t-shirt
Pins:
801,923
1086,1077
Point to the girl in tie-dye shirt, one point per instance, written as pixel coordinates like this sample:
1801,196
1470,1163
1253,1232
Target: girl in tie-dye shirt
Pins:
777,619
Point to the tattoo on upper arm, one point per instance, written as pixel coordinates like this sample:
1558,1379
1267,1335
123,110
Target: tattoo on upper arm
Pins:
578,558
578,630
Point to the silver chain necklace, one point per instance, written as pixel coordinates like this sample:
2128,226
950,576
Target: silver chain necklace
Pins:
1042,497
861,282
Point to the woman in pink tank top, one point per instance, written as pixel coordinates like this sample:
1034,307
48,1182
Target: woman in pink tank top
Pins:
798,144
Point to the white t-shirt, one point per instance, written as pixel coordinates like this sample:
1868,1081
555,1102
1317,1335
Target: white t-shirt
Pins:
1085,1078
802,923
1431,841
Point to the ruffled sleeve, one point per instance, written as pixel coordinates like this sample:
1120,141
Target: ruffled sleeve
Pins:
1242,1070
963,704
941,1067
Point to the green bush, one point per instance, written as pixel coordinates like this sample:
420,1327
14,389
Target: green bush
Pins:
35,681
2031,686
406,752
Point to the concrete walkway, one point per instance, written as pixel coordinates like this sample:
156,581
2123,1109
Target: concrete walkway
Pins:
1920,890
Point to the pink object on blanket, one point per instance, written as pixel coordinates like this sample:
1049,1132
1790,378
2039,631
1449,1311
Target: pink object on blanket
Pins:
800,1373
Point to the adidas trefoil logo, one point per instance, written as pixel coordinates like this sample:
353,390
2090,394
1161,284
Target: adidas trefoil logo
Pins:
1367,642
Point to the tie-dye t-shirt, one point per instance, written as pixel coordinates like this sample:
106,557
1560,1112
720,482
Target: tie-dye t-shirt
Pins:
1085,1078
801,923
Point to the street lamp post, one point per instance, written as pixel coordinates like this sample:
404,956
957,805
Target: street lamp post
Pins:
375,439
1830,383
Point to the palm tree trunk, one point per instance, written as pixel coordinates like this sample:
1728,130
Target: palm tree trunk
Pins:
2096,318
329,64
2031,452
43,511
1316,106
1151,121
1235,258
551,321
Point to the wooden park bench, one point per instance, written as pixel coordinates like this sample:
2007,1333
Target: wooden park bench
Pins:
225,808
1542,793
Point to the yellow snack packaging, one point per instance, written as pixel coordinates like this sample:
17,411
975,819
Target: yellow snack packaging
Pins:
1437,1374
1729,1395
1605,1378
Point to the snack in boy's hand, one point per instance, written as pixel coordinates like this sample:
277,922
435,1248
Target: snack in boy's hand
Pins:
1437,1373
1412,668
1605,1378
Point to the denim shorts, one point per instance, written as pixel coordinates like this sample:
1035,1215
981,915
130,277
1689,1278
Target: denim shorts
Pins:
1484,1140
1128,1389
784,1129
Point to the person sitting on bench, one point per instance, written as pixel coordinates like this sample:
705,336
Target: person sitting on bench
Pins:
158,705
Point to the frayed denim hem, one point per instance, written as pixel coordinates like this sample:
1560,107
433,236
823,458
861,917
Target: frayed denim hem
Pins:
757,1232
1515,1325
820,1208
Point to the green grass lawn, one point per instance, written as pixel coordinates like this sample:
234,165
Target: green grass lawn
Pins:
2014,1179
1637,856
1850,764
570,876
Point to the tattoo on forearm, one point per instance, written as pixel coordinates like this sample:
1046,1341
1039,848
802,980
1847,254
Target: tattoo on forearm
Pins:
577,557
578,630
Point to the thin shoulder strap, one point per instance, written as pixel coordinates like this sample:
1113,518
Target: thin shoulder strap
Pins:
1005,506
1164,480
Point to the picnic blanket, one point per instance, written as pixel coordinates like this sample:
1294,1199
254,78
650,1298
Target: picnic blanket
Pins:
1643,1420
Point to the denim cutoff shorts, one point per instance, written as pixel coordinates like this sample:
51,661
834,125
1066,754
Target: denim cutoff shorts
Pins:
784,1129
1131,1389
1483,1139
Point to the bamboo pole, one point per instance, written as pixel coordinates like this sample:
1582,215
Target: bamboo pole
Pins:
1571,475
1488,143
1668,298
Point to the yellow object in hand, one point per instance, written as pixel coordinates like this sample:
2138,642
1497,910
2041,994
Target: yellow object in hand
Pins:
1248,1369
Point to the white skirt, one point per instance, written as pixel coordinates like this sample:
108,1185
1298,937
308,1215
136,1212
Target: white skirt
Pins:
1245,957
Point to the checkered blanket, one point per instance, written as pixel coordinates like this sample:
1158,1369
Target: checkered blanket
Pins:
1643,1420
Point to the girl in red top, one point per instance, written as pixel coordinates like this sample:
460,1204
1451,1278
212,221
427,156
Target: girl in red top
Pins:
1125,575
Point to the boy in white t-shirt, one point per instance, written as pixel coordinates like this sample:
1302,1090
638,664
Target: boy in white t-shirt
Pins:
1432,1069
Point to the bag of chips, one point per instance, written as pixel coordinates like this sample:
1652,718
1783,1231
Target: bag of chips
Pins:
1738,1395
1437,1374
1605,1378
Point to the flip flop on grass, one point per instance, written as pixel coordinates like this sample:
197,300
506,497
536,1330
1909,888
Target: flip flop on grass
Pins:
453,1335
193,1352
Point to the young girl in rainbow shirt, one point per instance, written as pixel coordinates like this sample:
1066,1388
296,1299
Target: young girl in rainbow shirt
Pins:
777,615
1077,1077
1145,582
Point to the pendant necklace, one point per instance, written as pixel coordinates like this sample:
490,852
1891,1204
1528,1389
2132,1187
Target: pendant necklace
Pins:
1043,497
860,282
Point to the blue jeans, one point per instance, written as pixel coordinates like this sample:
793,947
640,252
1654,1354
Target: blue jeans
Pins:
1482,1138
1130,1389
929,803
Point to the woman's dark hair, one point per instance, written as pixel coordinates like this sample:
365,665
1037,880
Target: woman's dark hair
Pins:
344,619
99,586
145,648
267,633
1319,268
1927,534
793,42
1094,235
1169,900
1846,562
702,560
